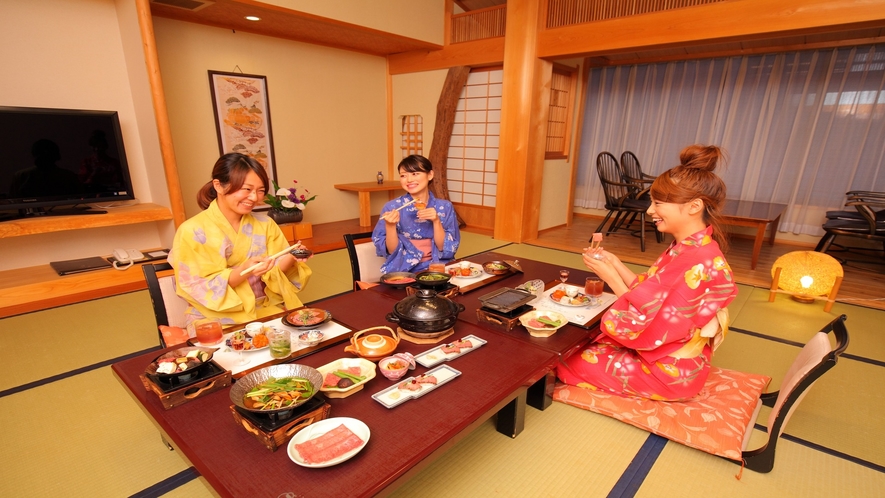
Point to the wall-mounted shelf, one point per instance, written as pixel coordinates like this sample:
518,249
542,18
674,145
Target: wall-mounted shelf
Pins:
126,215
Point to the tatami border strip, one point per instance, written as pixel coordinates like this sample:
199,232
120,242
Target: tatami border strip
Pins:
170,483
635,473
62,376
862,359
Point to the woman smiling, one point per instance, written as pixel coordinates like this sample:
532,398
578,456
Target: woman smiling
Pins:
656,337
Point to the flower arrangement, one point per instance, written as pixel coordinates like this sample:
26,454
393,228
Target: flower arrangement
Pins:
288,200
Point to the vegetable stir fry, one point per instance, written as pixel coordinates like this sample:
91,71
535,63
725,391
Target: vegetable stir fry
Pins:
274,394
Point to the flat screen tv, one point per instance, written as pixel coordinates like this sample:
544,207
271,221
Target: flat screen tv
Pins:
54,160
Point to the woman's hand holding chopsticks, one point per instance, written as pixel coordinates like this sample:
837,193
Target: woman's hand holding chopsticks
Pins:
260,266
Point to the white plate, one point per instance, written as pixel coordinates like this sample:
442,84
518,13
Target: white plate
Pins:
367,369
435,356
586,303
475,271
394,396
317,429
226,342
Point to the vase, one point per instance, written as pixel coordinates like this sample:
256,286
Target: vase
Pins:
281,217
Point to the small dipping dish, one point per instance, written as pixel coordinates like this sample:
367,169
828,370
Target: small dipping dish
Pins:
301,253
310,337
395,367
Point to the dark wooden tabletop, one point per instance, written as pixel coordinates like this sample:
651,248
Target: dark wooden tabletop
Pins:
403,439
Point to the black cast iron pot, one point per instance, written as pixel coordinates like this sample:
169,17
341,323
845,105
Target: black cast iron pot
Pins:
425,314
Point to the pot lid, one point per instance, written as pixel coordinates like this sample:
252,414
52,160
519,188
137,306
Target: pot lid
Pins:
426,305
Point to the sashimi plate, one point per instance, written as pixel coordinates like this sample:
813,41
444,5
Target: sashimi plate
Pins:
437,355
395,395
317,429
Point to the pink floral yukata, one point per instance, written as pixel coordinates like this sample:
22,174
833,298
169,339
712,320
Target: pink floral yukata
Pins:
650,345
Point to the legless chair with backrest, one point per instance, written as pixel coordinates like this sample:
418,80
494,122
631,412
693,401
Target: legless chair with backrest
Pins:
169,308
365,264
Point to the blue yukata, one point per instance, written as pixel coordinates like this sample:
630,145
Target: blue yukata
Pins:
407,257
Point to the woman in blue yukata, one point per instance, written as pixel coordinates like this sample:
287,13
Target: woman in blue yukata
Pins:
425,231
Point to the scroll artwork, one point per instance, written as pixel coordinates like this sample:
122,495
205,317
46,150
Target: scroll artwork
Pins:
242,116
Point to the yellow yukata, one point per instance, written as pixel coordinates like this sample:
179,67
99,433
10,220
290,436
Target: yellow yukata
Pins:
203,252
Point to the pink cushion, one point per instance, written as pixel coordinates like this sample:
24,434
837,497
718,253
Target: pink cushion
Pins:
715,421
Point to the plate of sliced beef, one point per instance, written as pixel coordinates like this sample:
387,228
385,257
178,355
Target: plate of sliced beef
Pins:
328,442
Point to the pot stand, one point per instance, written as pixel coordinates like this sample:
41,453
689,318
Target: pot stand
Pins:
404,335
506,321
273,432
211,378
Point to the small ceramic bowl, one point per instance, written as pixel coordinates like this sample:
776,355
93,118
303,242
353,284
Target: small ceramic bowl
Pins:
395,367
310,337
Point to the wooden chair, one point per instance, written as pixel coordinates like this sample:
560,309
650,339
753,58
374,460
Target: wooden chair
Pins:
866,226
169,307
365,264
633,172
722,417
621,198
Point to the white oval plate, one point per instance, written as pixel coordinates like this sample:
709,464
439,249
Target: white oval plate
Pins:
317,429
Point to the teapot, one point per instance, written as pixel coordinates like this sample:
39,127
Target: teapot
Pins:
373,346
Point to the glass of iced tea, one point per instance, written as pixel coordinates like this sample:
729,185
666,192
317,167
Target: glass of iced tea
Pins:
208,333
593,287
437,267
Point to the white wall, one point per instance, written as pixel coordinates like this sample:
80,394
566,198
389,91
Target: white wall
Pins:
70,54
327,107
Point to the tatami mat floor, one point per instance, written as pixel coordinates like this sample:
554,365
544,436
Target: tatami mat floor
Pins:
72,430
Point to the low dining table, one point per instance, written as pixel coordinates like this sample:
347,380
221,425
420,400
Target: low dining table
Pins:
494,380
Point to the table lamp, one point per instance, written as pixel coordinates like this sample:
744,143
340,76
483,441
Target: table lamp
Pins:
807,276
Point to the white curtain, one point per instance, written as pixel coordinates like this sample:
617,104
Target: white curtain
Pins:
799,128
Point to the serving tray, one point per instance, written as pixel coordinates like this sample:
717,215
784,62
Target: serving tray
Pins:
394,396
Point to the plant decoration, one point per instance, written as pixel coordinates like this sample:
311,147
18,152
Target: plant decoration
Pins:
288,200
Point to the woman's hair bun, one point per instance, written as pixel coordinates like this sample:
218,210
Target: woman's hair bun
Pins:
702,157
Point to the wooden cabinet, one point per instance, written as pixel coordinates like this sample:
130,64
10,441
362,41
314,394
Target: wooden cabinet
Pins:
23,290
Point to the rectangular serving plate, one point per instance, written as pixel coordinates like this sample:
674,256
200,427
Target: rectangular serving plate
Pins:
394,396
435,356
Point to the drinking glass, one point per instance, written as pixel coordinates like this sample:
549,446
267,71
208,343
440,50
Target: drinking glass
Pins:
419,206
563,275
238,343
593,288
280,343
208,333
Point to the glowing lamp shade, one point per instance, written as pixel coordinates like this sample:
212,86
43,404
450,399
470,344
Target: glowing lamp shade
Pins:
806,276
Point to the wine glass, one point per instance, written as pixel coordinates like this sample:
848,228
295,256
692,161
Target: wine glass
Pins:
238,343
593,288
563,275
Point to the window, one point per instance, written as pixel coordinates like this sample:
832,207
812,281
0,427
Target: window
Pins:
412,135
559,120
473,151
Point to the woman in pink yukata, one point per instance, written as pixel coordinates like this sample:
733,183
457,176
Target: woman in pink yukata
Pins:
652,345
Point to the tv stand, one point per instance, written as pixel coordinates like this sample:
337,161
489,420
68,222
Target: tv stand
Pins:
41,212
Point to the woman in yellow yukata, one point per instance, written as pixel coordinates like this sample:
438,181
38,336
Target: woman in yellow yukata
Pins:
655,340
211,250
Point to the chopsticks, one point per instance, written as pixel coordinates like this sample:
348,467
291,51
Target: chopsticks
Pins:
275,256
596,243
404,205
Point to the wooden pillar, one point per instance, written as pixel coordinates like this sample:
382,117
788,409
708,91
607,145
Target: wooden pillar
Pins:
524,109
170,167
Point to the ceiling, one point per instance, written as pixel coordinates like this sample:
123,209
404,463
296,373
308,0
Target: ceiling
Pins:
468,5
287,24
298,26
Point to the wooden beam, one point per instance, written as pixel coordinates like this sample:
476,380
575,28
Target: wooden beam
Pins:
475,53
710,23
442,130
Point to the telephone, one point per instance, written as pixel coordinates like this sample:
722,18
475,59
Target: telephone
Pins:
127,255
